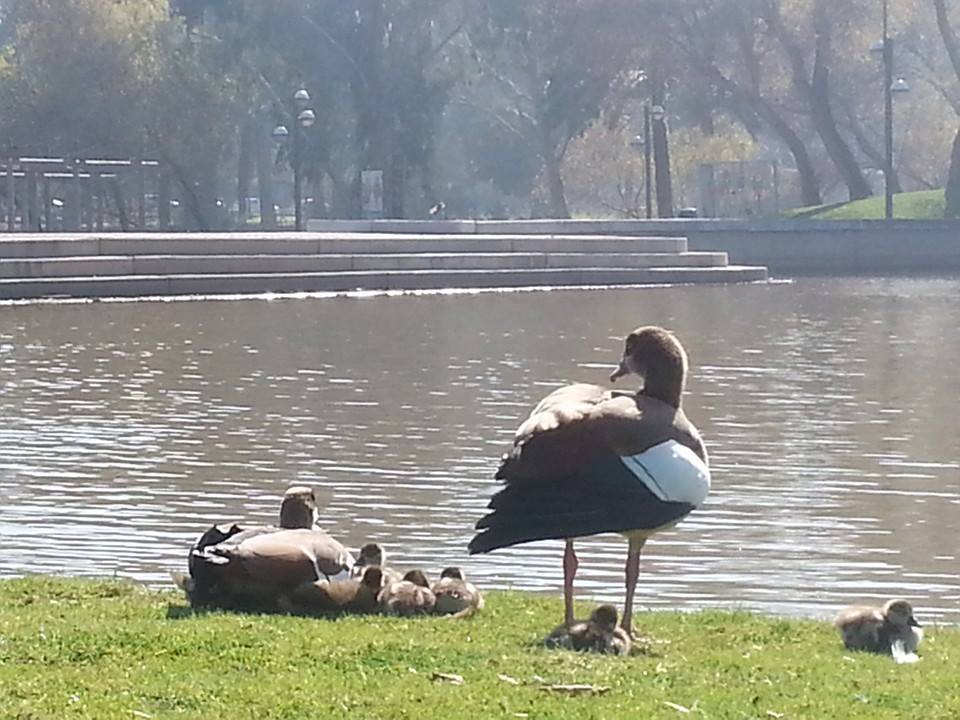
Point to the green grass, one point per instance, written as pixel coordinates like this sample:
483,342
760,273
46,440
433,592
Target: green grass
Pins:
923,205
81,649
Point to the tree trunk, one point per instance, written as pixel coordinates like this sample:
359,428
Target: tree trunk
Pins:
809,185
952,46
556,194
826,125
754,102
264,161
663,181
245,167
816,91
121,202
953,182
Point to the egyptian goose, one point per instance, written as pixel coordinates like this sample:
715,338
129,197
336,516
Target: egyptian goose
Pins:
251,567
410,596
891,630
592,460
598,634
455,596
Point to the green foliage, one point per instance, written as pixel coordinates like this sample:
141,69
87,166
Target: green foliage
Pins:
112,650
476,102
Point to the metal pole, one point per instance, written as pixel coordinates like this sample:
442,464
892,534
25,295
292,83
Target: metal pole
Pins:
297,200
47,215
11,197
647,161
141,196
887,117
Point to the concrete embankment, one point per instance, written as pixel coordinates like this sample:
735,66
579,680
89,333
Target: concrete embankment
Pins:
124,265
786,247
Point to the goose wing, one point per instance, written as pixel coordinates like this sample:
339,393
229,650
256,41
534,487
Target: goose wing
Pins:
573,470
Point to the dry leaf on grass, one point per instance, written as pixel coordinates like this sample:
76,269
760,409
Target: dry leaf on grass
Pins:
451,678
576,689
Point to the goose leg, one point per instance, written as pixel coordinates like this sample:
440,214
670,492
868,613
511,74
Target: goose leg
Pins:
570,565
631,573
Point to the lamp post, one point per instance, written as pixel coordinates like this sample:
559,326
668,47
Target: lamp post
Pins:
885,49
302,117
638,143
645,141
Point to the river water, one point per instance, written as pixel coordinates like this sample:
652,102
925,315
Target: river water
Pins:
829,408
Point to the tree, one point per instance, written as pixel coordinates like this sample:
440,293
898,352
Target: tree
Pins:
952,46
552,65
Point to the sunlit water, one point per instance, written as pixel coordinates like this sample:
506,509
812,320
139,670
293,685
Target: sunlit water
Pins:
829,408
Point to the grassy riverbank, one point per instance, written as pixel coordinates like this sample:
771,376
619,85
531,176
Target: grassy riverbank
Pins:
920,205
75,649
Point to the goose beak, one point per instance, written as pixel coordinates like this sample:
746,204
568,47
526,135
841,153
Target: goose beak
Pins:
914,623
619,372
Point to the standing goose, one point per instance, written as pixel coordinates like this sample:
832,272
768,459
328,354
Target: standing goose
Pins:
591,460
244,568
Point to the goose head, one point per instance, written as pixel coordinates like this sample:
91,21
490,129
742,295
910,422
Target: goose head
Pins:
371,554
454,573
417,577
655,355
899,613
604,617
299,508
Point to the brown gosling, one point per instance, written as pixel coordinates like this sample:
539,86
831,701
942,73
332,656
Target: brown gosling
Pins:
335,596
455,596
598,634
890,630
370,555
410,596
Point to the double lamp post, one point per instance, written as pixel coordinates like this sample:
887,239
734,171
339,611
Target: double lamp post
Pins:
301,118
645,141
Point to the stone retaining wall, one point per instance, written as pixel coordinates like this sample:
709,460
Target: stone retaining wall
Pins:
784,246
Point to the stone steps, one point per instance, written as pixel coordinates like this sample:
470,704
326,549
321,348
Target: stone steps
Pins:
89,245
258,283
130,265
225,264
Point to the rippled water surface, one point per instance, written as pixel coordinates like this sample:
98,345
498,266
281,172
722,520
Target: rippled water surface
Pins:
829,408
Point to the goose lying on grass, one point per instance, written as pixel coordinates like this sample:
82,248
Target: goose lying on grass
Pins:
890,629
598,634
234,567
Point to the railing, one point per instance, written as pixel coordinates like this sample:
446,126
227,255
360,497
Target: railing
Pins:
52,194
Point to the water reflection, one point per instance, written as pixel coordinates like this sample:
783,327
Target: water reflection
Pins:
828,408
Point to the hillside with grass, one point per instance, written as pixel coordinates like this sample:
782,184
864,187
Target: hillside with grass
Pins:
922,205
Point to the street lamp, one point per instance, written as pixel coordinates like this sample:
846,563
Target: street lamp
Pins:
884,48
645,141
302,117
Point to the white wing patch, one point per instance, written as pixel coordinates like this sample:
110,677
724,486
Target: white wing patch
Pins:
673,472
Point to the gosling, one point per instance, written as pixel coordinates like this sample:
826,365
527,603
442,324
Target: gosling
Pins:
373,555
335,596
889,630
409,596
598,634
455,596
